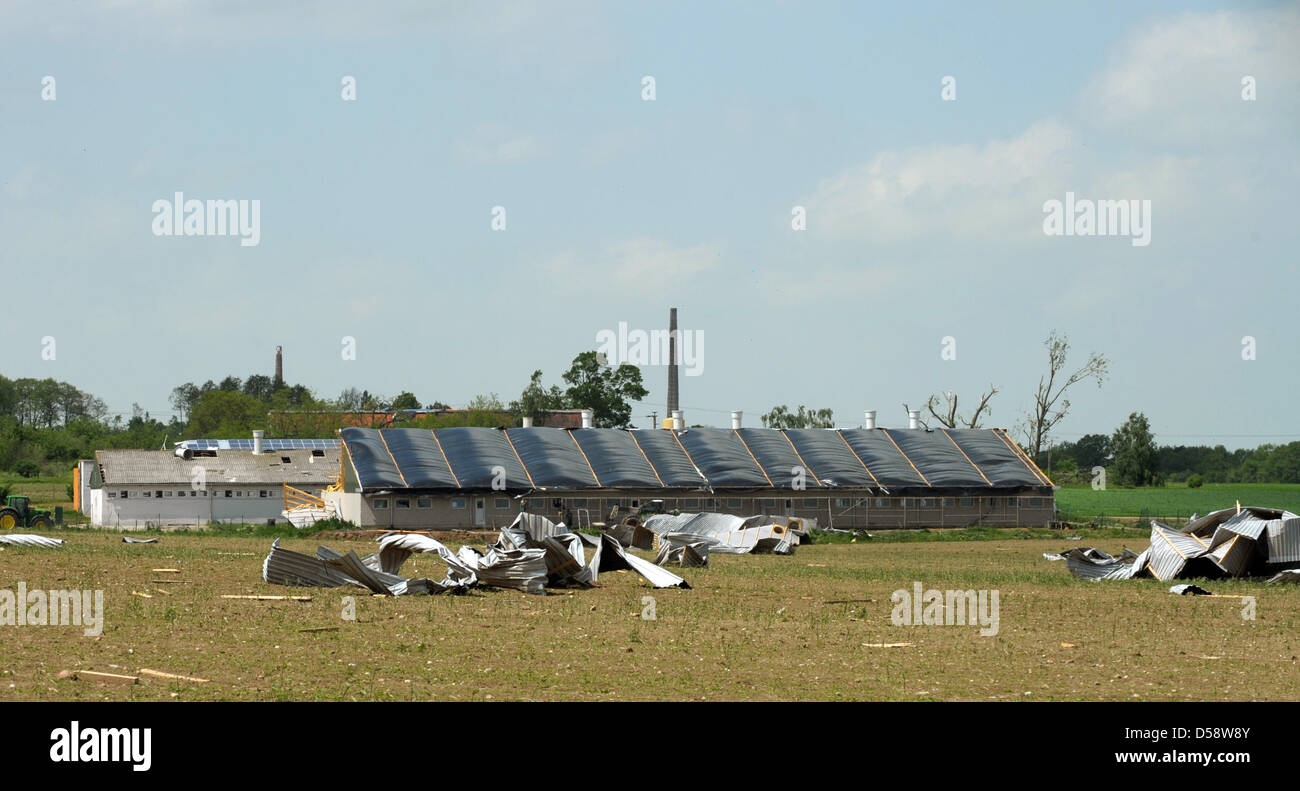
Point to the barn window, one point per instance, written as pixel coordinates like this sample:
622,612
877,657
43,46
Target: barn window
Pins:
403,504
379,503
501,503
927,502
949,502
843,502
966,502
810,502
733,502
167,493
458,503
147,493
882,502
424,502
691,502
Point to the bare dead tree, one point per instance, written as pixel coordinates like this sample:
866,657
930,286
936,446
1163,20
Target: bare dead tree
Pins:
1050,403
950,418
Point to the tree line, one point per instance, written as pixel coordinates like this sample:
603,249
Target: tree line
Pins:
47,425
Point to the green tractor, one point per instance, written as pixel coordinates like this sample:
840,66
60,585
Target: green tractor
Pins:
18,512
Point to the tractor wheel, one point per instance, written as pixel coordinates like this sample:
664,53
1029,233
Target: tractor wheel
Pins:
41,523
9,519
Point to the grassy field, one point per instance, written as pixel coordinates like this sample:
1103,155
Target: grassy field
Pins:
1081,504
806,627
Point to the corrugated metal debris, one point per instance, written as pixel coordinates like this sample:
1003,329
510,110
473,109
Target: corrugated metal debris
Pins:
728,534
28,540
530,555
130,540
1234,542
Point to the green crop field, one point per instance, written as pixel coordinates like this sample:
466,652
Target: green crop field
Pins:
812,626
1081,504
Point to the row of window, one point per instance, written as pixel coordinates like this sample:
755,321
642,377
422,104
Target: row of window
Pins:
161,493
734,503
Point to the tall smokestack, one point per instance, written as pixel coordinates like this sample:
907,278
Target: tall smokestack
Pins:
672,361
279,367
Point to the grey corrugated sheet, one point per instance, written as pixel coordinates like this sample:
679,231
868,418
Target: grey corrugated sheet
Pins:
286,567
164,468
29,540
616,459
1223,542
609,556
1284,539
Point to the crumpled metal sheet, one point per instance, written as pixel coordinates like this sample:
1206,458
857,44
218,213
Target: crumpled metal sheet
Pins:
29,540
286,567
1289,576
732,535
395,548
130,540
1093,564
330,569
610,556
1230,542
521,569
683,549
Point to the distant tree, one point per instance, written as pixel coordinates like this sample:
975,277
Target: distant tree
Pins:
1050,405
230,384
1092,450
1195,481
782,417
183,399
225,413
946,413
536,401
259,386
1136,459
605,390
349,400
27,469
404,400
486,403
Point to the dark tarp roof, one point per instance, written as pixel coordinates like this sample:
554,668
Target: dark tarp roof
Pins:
467,458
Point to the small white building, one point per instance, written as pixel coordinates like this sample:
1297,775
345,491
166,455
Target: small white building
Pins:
152,488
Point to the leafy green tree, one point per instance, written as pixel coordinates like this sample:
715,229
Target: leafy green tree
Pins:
782,417
226,413
1136,458
536,401
604,390
259,386
405,400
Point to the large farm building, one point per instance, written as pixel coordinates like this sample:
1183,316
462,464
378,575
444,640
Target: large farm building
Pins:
467,478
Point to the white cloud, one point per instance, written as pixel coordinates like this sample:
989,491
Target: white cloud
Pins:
963,189
1181,78
493,143
645,264
1178,81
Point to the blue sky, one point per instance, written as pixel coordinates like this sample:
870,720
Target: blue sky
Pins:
924,216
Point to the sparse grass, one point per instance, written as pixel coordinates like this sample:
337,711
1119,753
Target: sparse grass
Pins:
753,628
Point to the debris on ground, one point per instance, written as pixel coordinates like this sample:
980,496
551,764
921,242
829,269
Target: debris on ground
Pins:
130,540
1188,589
727,534
29,540
144,671
533,553
1233,542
